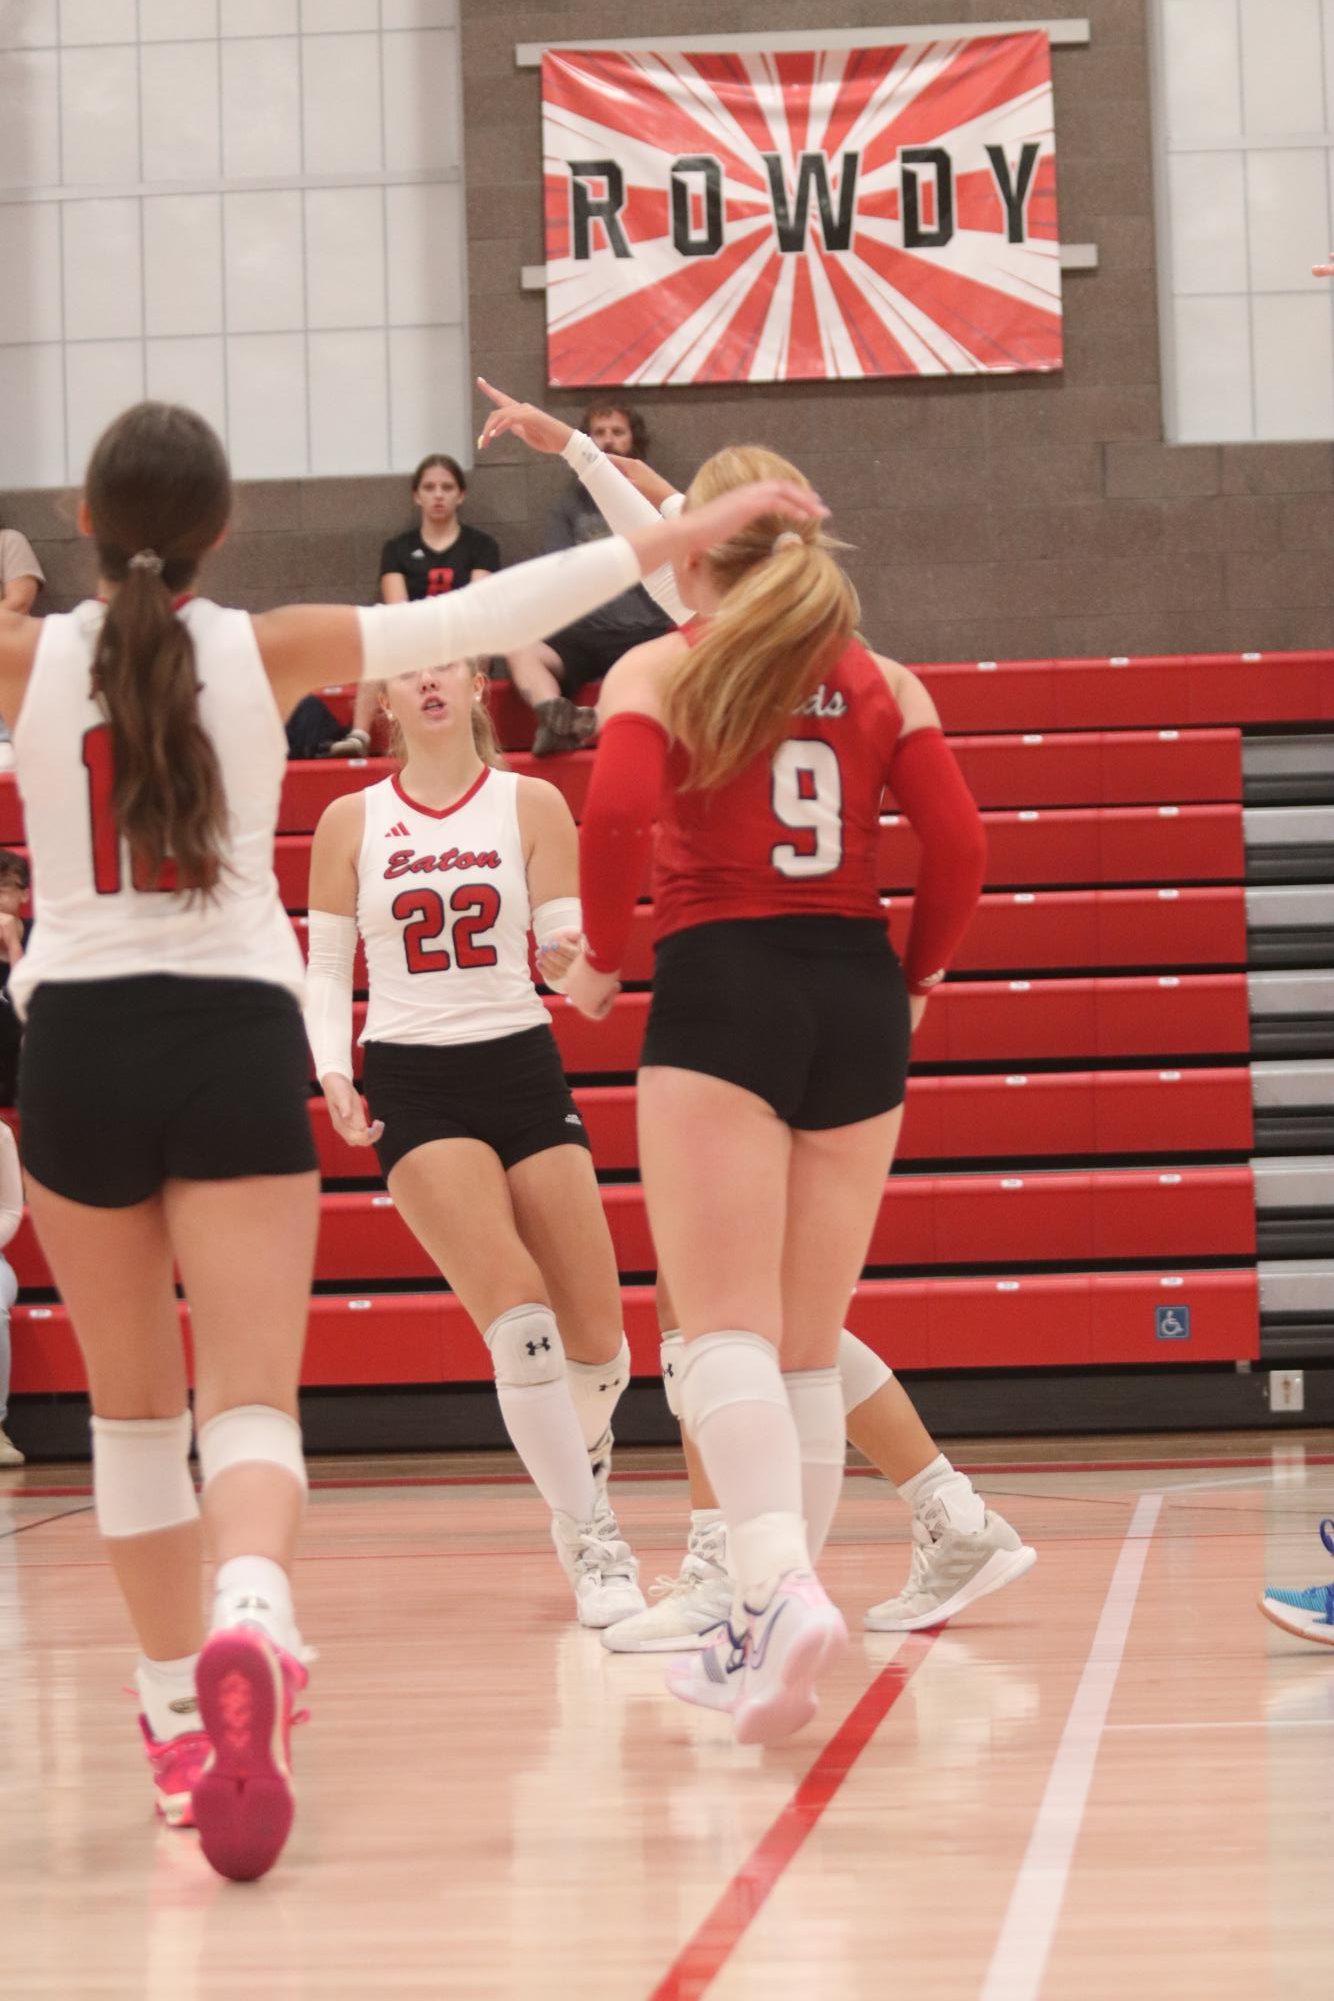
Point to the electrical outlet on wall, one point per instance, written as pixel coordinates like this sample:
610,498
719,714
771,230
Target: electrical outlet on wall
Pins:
1287,1390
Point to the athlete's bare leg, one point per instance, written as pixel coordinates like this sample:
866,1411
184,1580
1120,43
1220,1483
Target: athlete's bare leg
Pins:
246,1252
559,1216
454,1197
113,1269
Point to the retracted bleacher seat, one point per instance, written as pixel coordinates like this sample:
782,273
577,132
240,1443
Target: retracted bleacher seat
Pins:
1123,1099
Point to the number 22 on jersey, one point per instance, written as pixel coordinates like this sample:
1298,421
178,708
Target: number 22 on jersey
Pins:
475,908
807,796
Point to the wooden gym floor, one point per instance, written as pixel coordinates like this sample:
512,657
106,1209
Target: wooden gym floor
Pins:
1113,1780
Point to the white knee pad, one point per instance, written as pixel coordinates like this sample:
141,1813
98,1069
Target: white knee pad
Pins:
672,1358
816,1397
141,1474
526,1348
731,1366
595,1390
862,1370
253,1434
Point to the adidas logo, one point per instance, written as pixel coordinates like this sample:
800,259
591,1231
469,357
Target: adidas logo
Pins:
573,1119
398,832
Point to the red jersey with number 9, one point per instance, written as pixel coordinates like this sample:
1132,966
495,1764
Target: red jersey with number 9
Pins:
796,833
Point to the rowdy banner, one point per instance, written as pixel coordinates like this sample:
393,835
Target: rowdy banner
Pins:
753,217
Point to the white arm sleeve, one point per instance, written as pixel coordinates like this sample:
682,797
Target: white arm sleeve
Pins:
497,614
11,1186
624,509
558,913
332,949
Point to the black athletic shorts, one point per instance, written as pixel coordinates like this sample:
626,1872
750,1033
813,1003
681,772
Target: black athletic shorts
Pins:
588,651
510,1094
809,1013
125,1084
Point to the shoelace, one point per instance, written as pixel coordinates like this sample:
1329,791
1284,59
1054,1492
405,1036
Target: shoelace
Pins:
605,1556
1327,1534
687,1577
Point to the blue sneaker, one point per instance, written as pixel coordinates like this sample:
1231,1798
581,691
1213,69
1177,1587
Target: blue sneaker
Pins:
1308,1614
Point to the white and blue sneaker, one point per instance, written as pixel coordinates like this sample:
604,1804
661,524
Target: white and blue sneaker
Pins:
1307,1614
765,1675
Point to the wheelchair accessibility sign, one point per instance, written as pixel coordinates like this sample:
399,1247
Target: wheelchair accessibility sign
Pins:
1172,1323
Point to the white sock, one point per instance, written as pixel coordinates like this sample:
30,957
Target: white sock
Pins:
544,1430
816,1397
954,1490
256,1591
703,1522
595,1390
734,1402
167,1695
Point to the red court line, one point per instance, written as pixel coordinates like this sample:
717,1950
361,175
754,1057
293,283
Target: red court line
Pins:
978,1469
703,1957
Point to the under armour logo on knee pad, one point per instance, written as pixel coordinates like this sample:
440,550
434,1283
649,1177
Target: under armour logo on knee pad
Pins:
539,1347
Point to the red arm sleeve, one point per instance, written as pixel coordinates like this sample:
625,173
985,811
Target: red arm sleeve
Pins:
616,832
929,787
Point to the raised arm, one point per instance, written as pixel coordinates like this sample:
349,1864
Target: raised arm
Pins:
306,646
622,506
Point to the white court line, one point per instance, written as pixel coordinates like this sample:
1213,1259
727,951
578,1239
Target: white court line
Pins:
1024,1946
1253,1723
1256,1475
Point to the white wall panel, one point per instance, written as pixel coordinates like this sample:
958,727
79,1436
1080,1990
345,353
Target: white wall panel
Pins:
1244,155
103,270
251,205
101,379
183,265
32,396
1294,367
1214,370
30,295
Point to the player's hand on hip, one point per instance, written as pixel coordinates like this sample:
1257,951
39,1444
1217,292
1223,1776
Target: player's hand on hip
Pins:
348,1112
521,420
593,993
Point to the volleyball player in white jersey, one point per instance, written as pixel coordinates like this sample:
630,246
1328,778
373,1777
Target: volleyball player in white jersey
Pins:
163,1077
444,868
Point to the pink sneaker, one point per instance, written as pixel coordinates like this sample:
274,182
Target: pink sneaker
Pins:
243,1800
788,1645
712,1678
177,1764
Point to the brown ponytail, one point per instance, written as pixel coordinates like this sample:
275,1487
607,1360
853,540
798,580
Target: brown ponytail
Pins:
158,494
786,614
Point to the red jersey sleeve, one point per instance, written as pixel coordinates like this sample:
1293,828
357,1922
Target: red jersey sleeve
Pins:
617,831
925,779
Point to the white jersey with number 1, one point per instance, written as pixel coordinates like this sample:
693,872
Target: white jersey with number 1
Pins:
92,921
442,904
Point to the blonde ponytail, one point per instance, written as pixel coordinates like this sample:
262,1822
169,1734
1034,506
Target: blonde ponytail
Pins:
787,612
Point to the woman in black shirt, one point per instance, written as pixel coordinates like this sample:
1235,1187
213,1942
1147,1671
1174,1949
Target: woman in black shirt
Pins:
440,554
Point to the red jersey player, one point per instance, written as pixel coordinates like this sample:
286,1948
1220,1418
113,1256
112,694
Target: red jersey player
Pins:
774,1065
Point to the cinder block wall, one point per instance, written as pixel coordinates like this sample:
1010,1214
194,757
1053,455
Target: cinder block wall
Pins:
1015,517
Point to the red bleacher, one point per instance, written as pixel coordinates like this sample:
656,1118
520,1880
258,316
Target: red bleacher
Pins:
1110,950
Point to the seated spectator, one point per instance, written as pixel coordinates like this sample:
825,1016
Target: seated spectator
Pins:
549,674
21,578
440,554
11,1215
21,575
14,879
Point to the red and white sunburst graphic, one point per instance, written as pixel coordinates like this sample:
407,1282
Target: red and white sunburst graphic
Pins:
752,217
